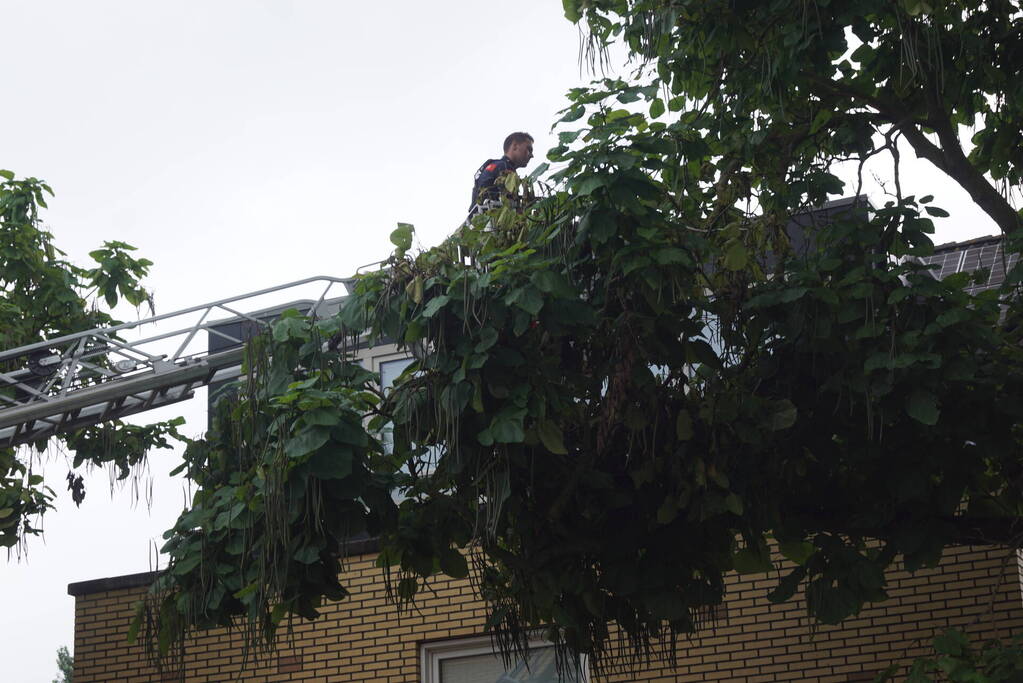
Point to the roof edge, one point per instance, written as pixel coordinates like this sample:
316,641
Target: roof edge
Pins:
363,546
968,243
111,583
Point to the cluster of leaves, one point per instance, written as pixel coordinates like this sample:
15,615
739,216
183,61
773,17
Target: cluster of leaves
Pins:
285,476
791,86
120,445
65,666
958,660
613,406
636,384
44,295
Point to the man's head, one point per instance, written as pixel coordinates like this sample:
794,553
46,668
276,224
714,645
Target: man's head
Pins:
519,148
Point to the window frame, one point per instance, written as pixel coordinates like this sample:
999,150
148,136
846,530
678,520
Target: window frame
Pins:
432,653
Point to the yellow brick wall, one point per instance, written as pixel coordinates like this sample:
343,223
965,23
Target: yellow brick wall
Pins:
365,639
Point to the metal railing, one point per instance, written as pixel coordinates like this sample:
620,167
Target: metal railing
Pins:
76,380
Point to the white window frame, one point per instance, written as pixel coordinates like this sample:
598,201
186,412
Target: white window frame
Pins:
384,354
431,654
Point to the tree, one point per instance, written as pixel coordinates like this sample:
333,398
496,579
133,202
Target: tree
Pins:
65,666
634,385
43,295
795,85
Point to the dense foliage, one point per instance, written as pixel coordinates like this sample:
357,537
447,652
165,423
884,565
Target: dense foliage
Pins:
635,384
791,86
639,382
957,659
44,295
613,410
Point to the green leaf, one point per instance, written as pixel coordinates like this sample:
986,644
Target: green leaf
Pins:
784,416
787,585
401,237
538,171
10,174
414,289
822,117
526,298
290,327
551,436
588,184
922,406
506,430
323,417
488,337
453,564
307,554
187,563
952,642
306,441
548,281
572,11
331,463
138,607
434,305
736,257
573,114
656,108
797,552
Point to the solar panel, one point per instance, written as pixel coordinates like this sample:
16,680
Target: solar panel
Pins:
968,257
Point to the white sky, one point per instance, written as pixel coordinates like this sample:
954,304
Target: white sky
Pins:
241,145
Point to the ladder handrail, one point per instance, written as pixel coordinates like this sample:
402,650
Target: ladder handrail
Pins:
80,381
47,343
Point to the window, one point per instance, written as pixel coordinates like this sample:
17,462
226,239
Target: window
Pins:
474,661
389,371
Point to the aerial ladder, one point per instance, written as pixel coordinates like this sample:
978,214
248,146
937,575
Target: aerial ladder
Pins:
66,383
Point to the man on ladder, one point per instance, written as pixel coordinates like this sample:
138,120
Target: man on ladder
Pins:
518,150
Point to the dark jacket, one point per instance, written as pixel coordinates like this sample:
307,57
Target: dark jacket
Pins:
485,189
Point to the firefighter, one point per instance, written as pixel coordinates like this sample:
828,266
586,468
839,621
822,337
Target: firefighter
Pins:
518,150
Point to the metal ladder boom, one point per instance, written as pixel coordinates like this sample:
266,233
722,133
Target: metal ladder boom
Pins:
88,377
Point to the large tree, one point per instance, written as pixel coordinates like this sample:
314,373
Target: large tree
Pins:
793,85
628,382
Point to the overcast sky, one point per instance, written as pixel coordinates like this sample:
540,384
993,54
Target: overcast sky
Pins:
241,145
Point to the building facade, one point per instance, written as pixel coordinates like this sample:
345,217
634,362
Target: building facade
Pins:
442,639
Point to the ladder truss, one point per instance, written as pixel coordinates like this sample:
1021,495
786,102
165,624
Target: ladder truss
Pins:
59,385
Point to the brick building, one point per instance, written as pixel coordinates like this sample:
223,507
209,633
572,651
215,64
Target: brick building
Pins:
442,639
365,639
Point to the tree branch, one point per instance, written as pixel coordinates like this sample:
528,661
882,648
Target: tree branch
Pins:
948,158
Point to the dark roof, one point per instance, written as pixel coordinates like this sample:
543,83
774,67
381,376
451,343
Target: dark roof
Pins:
972,255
